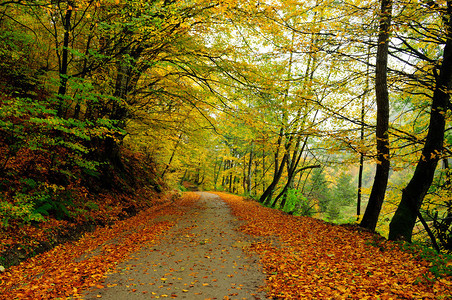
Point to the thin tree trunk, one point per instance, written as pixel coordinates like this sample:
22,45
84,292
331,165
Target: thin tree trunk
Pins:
263,170
172,155
402,224
360,185
286,188
256,165
291,172
183,177
223,179
230,182
267,195
250,173
429,232
244,178
64,59
377,194
361,156
216,173
278,170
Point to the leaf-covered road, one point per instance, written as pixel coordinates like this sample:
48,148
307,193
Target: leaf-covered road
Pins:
200,258
191,249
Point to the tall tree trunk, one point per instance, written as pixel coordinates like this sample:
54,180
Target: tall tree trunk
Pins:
124,84
429,232
361,137
279,168
402,224
216,173
183,177
249,173
224,180
256,171
377,194
64,63
244,174
263,170
360,185
230,181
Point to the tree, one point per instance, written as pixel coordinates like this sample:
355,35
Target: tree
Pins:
318,189
402,224
377,194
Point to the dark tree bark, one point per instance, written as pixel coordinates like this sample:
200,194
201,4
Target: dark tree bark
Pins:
267,195
360,185
429,232
361,156
224,180
64,62
183,177
286,187
291,171
249,173
263,169
377,194
402,224
216,173
268,192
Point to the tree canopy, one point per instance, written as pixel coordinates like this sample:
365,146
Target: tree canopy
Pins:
281,101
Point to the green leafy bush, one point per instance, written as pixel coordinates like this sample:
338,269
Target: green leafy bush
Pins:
21,211
30,124
34,201
298,204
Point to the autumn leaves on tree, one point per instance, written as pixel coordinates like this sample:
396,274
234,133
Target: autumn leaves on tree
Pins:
256,98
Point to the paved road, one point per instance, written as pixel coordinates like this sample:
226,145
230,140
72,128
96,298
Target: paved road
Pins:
200,258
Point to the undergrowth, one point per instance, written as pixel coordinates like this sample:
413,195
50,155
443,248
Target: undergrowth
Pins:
440,263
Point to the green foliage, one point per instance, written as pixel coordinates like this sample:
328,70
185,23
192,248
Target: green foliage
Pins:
22,211
34,201
13,111
182,188
318,189
343,194
30,124
441,225
92,205
333,211
298,204
439,263
16,76
52,200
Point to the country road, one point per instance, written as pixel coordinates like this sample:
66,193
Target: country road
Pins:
201,257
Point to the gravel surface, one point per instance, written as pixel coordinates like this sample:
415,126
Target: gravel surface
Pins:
201,257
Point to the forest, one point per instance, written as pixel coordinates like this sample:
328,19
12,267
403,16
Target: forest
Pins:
338,110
